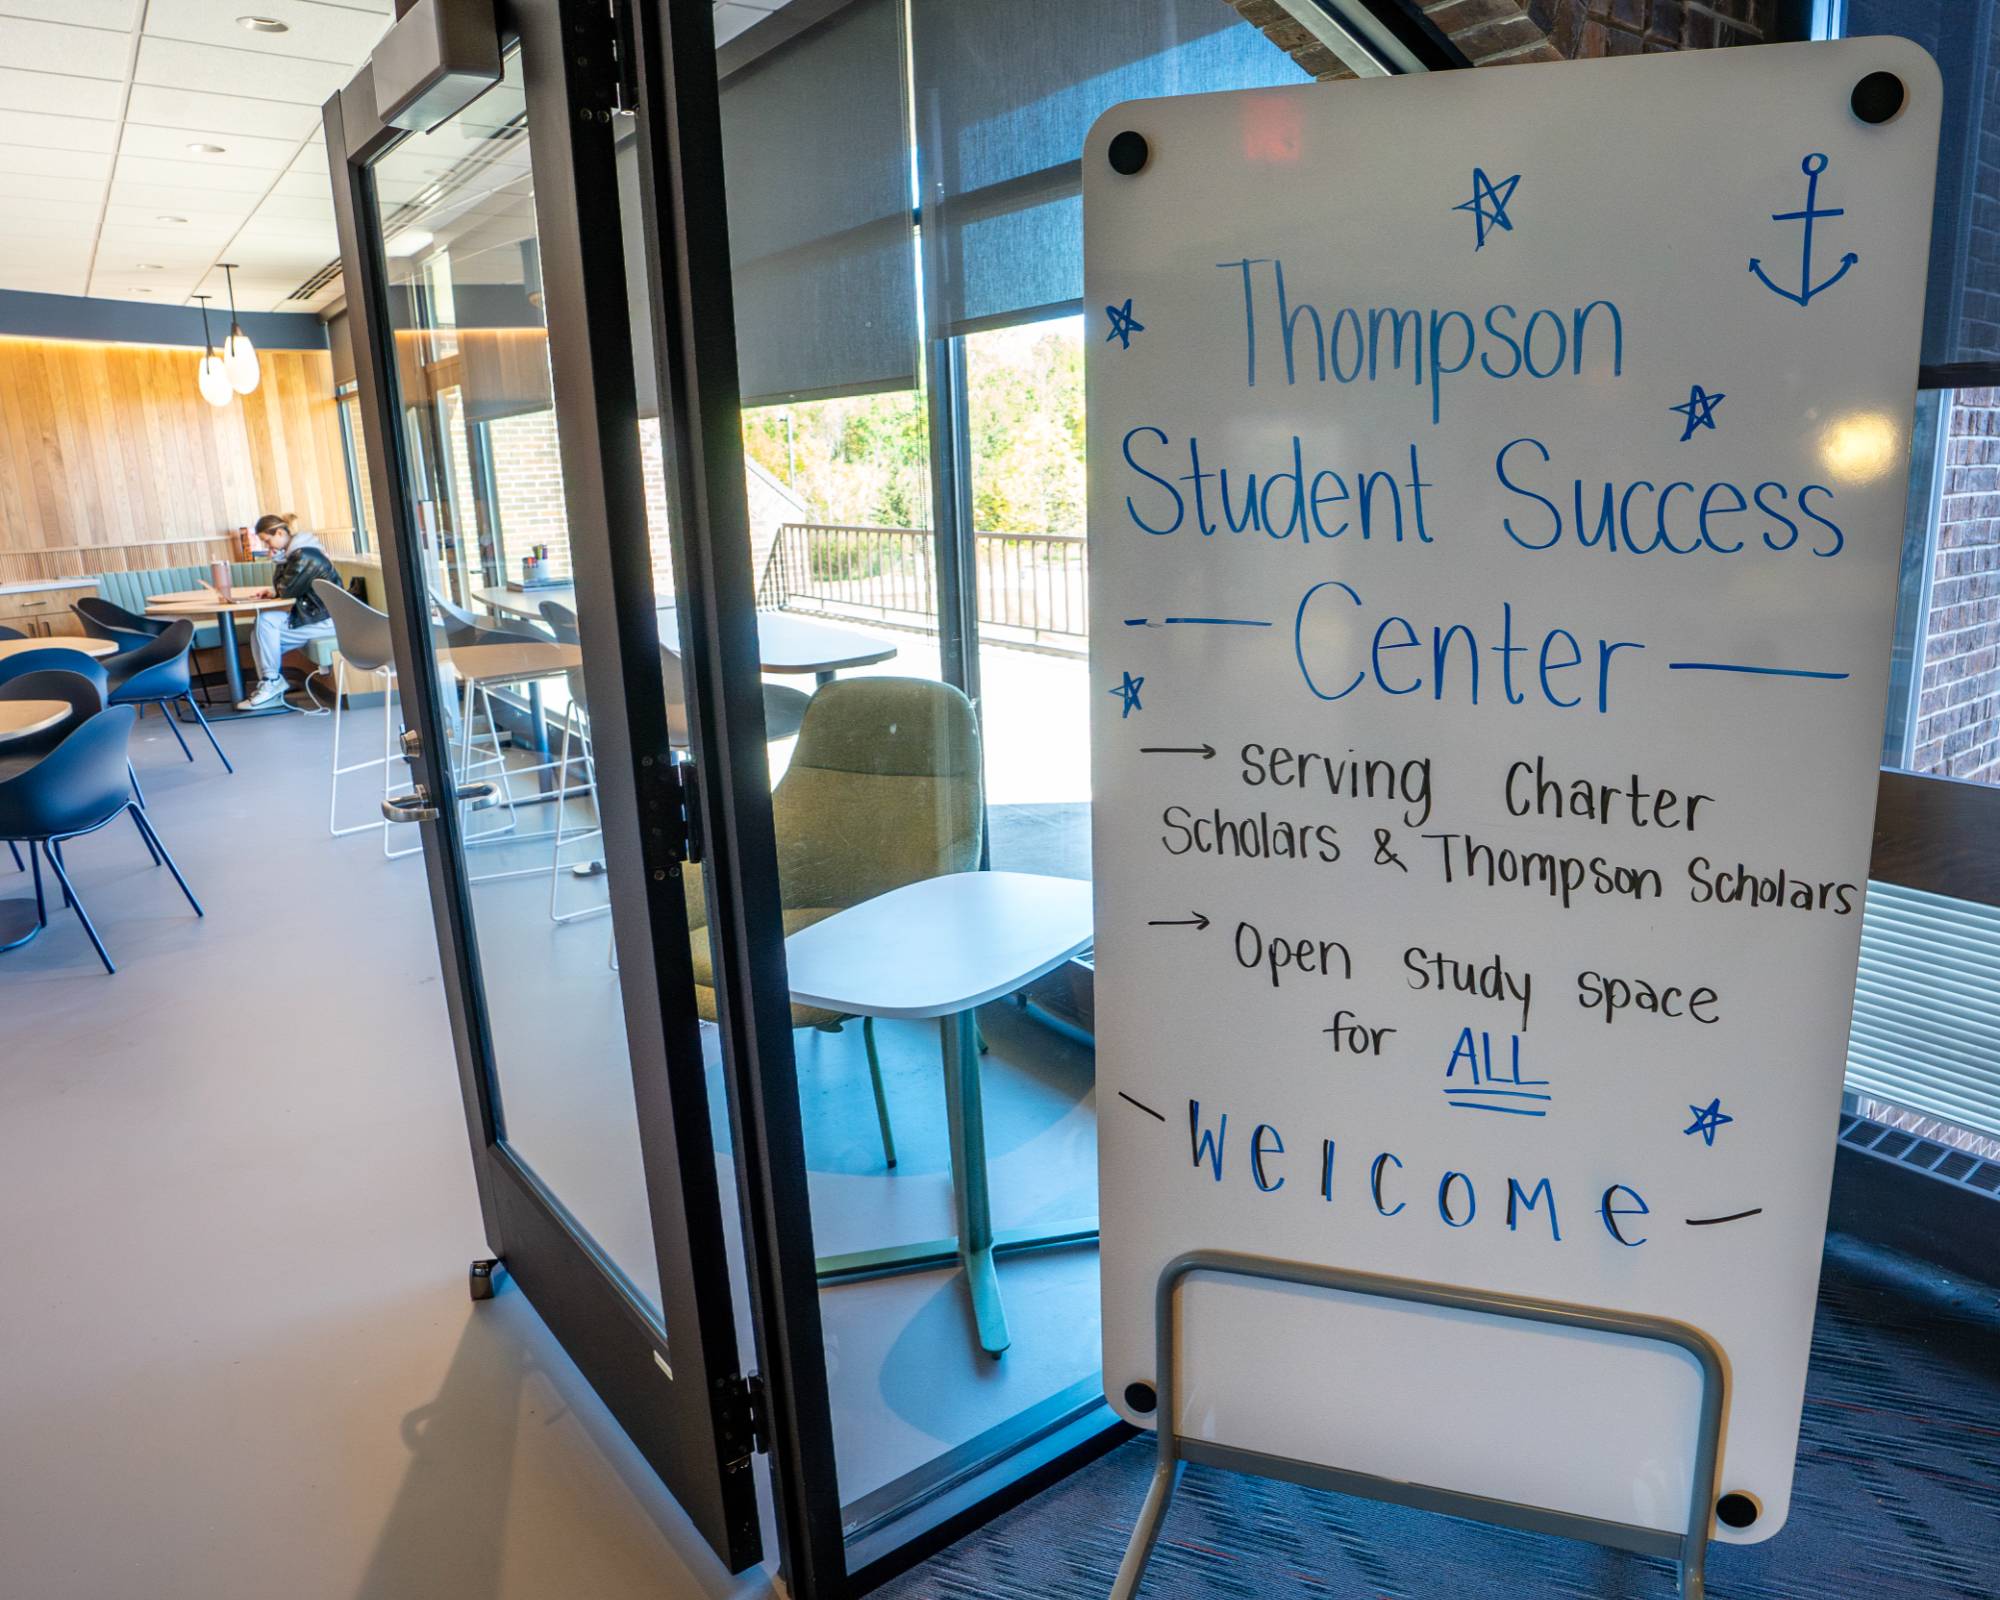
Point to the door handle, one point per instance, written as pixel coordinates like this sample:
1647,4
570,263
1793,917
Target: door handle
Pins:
416,806
412,807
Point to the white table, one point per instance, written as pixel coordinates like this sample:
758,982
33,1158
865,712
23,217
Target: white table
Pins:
939,948
786,644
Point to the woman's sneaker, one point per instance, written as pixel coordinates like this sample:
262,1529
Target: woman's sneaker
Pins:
269,690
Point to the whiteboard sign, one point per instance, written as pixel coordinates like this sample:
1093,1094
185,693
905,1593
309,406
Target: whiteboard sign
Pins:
1497,481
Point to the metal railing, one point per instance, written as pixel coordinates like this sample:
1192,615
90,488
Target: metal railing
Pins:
1033,588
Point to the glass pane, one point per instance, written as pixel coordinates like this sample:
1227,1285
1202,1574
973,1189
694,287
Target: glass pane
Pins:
1959,320
366,529
1024,391
457,212
1945,704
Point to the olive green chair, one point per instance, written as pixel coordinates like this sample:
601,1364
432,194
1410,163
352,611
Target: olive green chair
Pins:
884,789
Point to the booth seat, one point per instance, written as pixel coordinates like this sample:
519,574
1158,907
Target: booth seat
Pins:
132,589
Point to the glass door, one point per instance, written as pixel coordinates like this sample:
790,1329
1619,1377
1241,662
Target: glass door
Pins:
543,725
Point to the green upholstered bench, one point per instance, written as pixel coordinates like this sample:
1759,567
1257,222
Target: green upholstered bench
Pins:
132,589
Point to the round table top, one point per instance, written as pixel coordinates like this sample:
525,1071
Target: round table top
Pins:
176,602
19,718
512,661
59,641
940,945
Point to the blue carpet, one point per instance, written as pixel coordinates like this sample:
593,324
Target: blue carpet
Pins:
1897,1494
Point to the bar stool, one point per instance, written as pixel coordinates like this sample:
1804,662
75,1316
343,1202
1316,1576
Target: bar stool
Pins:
361,636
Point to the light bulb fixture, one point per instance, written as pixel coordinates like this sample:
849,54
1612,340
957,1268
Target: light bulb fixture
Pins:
211,377
263,25
239,356
200,148
170,219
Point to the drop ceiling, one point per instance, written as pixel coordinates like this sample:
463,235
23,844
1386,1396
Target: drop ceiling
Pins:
101,187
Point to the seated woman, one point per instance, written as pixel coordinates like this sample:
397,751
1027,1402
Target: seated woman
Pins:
301,559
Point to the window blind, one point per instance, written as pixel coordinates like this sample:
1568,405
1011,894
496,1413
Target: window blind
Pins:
1005,92
1926,1032
817,172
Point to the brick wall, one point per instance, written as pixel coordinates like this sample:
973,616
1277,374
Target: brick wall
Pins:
1958,698
1495,32
527,470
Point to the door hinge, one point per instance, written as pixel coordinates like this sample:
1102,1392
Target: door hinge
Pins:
626,90
672,812
741,1425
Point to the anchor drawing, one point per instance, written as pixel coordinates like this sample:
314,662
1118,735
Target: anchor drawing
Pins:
1812,167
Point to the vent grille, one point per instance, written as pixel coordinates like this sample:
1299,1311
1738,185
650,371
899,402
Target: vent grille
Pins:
317,284
1948,1166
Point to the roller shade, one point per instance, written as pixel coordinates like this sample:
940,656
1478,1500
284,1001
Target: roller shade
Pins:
817,172
1926,1032
1962,305
1006,90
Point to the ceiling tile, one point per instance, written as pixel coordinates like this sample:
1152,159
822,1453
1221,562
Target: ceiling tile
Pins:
42,130
34,46
169,244
66,205
60,93
188,174
176,198
60,281
33,237
308,180
21,186
288,238
237,149
322,33
190,109
117,15
172,63
75,165
306,208
203,214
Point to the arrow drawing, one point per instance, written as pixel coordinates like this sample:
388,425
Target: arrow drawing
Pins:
1205,751
1812,167
1196,922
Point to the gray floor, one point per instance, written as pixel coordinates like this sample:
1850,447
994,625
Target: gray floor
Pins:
235,1208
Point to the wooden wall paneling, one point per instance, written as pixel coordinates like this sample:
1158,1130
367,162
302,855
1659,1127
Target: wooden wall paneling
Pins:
111,460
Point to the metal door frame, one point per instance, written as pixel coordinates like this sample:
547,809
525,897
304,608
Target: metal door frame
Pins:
683,1399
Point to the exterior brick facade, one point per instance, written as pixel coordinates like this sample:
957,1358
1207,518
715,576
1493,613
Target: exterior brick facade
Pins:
1498,32
527,472
1957,731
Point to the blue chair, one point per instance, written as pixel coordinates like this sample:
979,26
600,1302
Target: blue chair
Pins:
157,674
55,659
77,788
127,629
86,698
11,633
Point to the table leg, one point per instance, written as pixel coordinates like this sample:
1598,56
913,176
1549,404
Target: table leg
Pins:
232,669
822,678
965,1113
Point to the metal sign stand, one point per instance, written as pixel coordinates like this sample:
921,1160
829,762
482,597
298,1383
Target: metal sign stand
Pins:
1689,1547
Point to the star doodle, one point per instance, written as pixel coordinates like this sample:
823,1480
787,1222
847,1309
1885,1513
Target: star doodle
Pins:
1707,1119
1488,204
1699,411
1128,691
1123,324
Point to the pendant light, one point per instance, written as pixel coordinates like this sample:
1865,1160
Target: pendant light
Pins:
239,356
212,376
